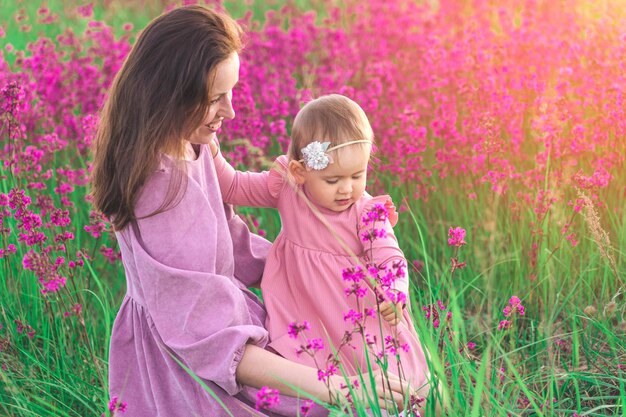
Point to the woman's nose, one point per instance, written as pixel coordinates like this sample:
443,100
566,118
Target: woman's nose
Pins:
226,110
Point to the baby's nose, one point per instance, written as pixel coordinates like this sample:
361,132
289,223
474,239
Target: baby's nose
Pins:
346,187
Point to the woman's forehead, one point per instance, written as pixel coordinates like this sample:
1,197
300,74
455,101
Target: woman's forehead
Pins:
226,75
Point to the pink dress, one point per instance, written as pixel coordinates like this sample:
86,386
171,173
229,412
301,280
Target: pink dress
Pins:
302,279
187,270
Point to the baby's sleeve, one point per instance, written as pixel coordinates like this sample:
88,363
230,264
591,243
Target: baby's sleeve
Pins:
202,317
379,241
255,189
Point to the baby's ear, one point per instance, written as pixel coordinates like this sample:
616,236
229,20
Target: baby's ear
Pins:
297,171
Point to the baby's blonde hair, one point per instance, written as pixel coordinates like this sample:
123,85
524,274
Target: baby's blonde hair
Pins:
333,118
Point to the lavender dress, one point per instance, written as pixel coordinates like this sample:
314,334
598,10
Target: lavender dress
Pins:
187,270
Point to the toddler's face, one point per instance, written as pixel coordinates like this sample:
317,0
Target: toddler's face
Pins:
339,185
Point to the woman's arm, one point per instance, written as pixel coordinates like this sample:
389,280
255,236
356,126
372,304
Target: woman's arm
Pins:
249,250
259,367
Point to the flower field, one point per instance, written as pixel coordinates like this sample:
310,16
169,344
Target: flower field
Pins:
500,132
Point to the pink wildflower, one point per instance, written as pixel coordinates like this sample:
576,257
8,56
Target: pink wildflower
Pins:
311,347
378,213
324,375
456,237
504,324
571,238
295,329
515,304
116,405
267,398
53,284
305,408
357,290
352,316
373,234
418,265
355,274
76,310
85,10
23,328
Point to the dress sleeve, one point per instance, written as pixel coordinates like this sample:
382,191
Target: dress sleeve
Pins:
255,189
383,250
249,250
201,316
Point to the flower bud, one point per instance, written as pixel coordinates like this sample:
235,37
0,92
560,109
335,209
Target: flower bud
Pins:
590,310
609,308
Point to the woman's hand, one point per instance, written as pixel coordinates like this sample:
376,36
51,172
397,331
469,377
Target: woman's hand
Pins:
388,390
259,367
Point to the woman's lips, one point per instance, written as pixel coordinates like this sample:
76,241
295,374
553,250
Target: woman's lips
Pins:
214,126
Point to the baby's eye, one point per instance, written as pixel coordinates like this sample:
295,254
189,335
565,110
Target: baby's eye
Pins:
331,181
356,177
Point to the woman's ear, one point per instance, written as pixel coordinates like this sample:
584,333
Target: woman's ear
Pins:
297,171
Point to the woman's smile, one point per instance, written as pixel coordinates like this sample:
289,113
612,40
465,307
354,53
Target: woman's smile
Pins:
215,125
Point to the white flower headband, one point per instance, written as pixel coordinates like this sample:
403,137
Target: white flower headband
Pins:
315,154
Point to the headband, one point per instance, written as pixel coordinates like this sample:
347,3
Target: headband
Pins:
315,154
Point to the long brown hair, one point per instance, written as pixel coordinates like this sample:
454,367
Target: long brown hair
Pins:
158,98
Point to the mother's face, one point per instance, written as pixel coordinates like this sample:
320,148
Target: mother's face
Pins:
220,100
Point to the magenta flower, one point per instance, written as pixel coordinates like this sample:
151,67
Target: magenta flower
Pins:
356,289
305,408
515,304
373,234
267,398
352,316
23,328
311,347
116,405
504,324
295,329
456,237
85,10
324,375
395,296
355,274
378,213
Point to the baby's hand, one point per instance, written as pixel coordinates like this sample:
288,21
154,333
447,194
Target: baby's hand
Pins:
391,312
214,147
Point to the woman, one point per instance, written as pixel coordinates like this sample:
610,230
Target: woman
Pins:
188,258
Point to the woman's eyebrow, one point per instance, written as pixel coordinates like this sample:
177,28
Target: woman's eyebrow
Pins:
230,89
